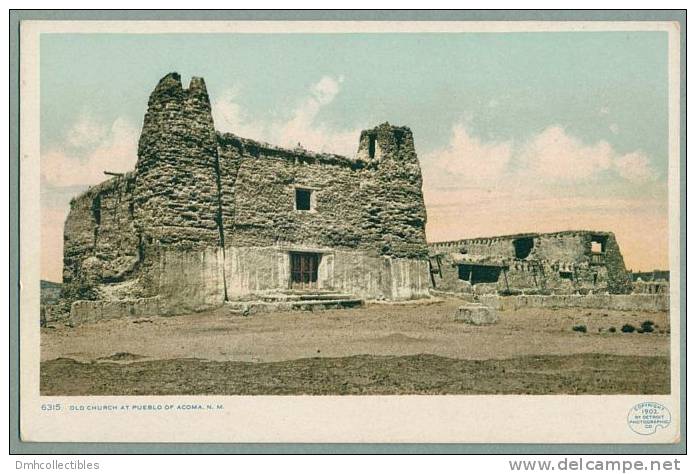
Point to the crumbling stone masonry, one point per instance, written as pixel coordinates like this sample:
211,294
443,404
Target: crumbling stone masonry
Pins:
570,262
207,217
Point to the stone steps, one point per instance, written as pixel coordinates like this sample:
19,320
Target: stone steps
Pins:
273,297
246,308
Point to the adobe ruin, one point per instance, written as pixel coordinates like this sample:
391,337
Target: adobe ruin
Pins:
566,262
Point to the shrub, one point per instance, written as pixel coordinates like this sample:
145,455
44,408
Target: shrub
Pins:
580,328
647,326
612,329
627,328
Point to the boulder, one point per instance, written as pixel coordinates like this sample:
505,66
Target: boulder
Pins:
476,314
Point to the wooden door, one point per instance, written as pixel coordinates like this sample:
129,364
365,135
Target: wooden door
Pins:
304,270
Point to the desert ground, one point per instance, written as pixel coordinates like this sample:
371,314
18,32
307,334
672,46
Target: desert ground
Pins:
410,348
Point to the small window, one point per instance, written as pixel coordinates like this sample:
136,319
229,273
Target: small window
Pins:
566,275
372,146
475,274
303,199
523,247
96,209
598,243
398,138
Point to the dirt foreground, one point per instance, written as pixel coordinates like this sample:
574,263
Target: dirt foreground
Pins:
380,349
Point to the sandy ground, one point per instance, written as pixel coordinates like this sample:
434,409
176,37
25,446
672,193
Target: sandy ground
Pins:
361,375
378,329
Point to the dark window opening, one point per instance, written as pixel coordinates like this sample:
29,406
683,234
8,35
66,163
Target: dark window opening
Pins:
303,199
523,247
141,248
566,275
254,151
598,244
479,273
371,148
398,138
96,209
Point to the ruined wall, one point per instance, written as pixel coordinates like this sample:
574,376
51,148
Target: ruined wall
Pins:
561,262
100,242
618,278
207,217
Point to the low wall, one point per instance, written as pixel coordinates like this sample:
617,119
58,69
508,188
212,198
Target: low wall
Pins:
83,311
633,302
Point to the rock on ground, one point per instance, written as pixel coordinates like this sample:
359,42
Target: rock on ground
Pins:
477,314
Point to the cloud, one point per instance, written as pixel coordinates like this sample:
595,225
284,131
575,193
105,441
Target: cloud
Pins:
553,155
88,150
229,116
556,155
326,89
86,132
469,156
299,126
634,167
614,128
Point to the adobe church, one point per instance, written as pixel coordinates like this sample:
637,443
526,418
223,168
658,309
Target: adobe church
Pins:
207,218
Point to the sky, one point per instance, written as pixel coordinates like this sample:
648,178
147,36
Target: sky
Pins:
515,132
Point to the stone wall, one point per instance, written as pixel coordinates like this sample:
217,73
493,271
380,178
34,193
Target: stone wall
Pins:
176,188
393,210
650,287
563,262
206,217
635,302
92,311
100,241
259,184
371,204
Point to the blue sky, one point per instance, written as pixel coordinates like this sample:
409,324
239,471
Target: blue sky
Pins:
515,131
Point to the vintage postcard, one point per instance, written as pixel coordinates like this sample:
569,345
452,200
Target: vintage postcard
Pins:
350,231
